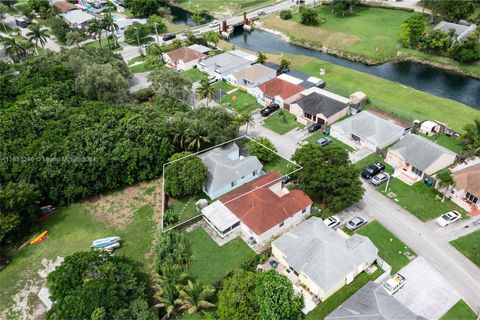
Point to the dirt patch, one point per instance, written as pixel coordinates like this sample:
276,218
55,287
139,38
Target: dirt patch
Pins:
117,208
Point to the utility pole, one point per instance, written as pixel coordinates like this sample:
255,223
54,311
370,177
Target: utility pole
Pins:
156,32
138,42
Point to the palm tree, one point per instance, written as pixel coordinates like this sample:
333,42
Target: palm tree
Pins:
246,119
74,38
37,35
446,181
180,129
205,90
111,26
197,135
283,116
471,137
194,297
168,299
3,15
95,30
14,49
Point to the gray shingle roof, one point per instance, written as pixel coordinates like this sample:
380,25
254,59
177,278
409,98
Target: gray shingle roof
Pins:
419,151
461,31
222,169
316,103
322,254
371,302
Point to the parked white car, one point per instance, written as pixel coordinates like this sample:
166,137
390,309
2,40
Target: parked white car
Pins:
448,218
332,222
380,178
214,23
394,284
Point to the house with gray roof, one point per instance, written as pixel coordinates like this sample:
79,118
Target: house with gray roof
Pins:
227,169
369,129
460,32
371,302
415,157
324,260
220,66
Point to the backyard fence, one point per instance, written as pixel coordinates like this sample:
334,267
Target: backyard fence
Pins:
185,223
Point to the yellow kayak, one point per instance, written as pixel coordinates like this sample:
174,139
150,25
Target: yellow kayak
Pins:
39,238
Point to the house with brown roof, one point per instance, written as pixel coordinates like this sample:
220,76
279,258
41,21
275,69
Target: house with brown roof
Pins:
467,186
63,6
275,90
252,76
260,209
183,58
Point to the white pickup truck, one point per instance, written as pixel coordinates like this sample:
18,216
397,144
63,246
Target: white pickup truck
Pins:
394,284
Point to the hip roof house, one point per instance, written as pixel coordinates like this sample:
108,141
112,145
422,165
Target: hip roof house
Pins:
183,58
276,90
77,18
252,76
467,186
220,66
460,31
323,259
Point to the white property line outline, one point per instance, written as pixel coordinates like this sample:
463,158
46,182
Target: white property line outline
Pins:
208,149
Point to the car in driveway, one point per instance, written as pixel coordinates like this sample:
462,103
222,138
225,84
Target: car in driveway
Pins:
448,218
286,179
356,223
314,127
394,284
323,142
269,110
332,222
372,170
380,178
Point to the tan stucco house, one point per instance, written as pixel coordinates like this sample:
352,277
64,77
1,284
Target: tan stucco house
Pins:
183,58
323,259
466,191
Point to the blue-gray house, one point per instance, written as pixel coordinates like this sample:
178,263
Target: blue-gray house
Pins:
228,170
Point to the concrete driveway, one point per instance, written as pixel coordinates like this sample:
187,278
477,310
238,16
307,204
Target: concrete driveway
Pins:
456,230
426,292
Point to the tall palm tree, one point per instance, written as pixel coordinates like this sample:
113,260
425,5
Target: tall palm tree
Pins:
37,35
197,135
74,38
245,118
168,300
95,30
446,181
180,129
14,49
195,297
205,90
111,26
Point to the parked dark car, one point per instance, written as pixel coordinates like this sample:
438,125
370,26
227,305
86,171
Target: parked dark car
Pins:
314,127
169,36
372,170
22,22
286,179
269,110
47,210
323,142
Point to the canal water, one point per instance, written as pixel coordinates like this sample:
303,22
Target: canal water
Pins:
184,17
421,77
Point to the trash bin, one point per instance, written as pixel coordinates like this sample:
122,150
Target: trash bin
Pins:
428,182
326,132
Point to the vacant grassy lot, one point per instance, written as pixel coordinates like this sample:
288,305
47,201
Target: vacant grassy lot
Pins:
243,102
281,124
223,7
469,245
390,248
420,199
460,311
211,262
326,307
194,75
317,135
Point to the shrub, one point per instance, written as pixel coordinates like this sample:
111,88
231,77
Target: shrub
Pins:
285,14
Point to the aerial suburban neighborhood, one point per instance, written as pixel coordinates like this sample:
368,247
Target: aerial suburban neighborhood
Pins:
240,159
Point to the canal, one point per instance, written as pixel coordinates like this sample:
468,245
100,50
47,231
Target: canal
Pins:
429,79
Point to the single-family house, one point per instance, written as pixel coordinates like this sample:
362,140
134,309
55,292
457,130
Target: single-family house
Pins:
374,303
259,209
319,106
77,19
200,48
274,66
220,66
371,129
467,186
415,157
124,23
302,79
275,90
252,76
183,58
63,6
460,32
323,259
227,169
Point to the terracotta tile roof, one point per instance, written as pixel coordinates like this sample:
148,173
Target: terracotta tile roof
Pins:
185,54
468,179
64,6
258,207
279,87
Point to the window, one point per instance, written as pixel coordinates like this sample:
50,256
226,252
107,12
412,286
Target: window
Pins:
254,173
281,224
304,210
233,183
471,198
418,172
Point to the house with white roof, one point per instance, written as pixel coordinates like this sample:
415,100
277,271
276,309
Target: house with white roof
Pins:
252,76
460,32
77,19
323,260
224,64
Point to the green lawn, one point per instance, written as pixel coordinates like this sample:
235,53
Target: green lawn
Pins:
223,7
420,199
281,166
243,102
211,262
460,311
374,157
317,135
326,307
141,67
185,207
222,85
393,97
276,123
390,248
194,75
71,230
469,245
445,141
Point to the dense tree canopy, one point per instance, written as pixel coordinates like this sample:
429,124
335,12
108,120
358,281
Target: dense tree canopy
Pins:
142,8
263,149
173,249
96,285
237,300
186,174
328,175
308,16
412,29
451,10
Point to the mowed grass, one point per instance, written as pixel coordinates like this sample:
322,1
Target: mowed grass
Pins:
281,166
371,33
279,124
327,306
390,248
194,75
469,245
445,141
317,135
212,262
222,85
460,311
240,102
185,207
420,199
73,229
223,7
393,97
